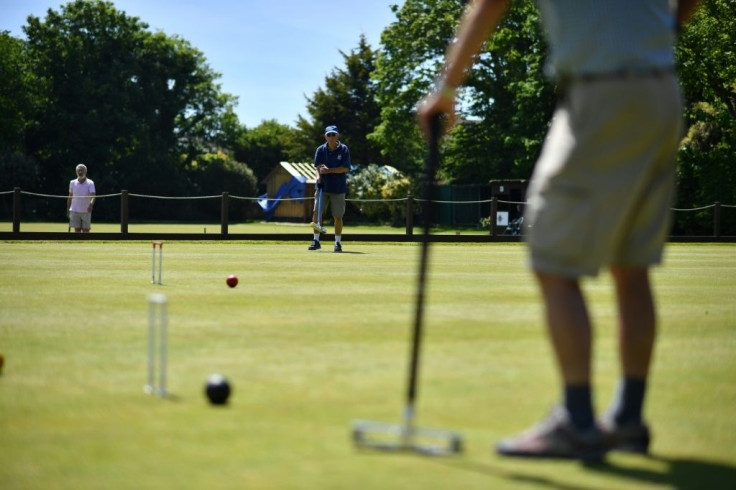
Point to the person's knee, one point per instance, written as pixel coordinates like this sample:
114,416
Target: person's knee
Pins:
630,278
553,281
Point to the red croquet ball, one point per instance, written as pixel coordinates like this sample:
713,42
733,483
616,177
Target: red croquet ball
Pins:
232,280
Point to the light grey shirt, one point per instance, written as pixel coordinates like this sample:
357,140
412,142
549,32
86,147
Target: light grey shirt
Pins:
607,36
82,193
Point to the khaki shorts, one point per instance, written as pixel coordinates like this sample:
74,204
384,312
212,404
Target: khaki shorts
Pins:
80,220
335,201
604,183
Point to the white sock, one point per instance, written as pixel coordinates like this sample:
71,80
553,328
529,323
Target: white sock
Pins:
338,238
316,236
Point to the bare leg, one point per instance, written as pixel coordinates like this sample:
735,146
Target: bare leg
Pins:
569,327
637,322
338,226
570,430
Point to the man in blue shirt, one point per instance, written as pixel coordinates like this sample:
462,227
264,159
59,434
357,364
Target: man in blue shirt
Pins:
599,197
332,163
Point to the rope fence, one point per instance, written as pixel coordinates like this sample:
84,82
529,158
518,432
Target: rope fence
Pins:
410,201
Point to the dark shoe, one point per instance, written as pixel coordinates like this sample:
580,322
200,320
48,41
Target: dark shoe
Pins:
315,245
338,247
631,438
555,437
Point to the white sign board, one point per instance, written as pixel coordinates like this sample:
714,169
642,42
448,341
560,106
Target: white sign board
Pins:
502,218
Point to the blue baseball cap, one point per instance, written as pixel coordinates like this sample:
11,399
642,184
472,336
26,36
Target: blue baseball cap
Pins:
331,129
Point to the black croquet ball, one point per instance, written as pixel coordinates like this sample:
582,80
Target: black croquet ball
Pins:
217,389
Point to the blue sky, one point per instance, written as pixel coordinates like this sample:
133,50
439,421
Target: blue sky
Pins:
270,53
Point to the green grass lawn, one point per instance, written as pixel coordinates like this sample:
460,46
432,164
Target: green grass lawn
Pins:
311,341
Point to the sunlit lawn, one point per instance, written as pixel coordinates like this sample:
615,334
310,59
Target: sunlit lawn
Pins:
313,340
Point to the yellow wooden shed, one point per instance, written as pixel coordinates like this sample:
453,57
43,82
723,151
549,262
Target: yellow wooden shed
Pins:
285,184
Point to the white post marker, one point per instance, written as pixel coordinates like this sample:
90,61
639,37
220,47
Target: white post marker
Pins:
158,319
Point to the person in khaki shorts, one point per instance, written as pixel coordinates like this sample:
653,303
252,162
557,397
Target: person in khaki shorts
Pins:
600,196
331,164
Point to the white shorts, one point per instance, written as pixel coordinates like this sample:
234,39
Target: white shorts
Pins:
604,183
80,220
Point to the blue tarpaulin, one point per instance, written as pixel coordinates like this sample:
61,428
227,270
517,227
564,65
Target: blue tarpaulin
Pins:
293,189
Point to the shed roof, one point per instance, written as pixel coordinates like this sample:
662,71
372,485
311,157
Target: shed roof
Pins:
295,170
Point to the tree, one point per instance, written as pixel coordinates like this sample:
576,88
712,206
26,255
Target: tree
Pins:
706,61
18,92
18,100
218,172
264,146
505,105
137,107
411,54
509,103
349,101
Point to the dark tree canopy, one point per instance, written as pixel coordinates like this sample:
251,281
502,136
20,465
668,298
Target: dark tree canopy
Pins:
137,107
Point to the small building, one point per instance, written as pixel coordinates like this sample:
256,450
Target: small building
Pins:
511,195
287,186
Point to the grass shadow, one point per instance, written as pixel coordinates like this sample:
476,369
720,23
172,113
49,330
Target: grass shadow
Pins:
344,252
677,473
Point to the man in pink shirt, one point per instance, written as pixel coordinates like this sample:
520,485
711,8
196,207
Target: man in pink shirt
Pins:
81,200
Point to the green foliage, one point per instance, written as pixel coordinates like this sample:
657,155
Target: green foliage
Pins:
706,56
264,146
349,101
214,173
374,183
411,55
137,107
505,106
18,170
18,100
18,95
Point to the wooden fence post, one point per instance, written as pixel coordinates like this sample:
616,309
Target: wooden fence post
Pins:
16,210
124,211
410,215
494,212
224,213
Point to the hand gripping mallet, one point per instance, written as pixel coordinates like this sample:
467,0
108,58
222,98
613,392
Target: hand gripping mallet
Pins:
406,436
